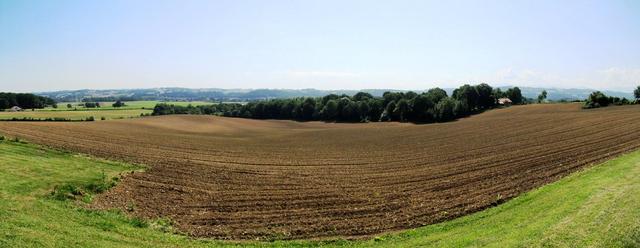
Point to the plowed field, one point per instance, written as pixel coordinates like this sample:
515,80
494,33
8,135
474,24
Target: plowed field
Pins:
246,179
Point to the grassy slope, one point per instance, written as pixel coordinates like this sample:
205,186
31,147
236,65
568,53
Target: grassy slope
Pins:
598,207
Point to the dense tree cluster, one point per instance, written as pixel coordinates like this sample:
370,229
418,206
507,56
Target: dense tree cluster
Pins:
118,104
514,94
433,105
91,104
542,97
24,100
598,99
226,109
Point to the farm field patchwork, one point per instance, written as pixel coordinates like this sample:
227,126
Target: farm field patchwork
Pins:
77,115
62,106
246,179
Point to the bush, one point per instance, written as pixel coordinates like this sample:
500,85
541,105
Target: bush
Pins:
2,138
90,118
102,118
598,99
118,104
91,104
65,192
73,191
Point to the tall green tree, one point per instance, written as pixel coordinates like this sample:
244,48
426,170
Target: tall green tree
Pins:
375,109
542,96
402,109
4,104
308,108
361,96
468,94
388,114
422,106
118,104
330,111
597,99
444,110
436,94
515,95
363,111
486,98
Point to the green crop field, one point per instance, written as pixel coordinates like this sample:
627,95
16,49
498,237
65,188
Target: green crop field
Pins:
598,207
78,114
62,106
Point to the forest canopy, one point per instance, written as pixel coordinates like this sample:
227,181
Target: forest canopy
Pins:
24,100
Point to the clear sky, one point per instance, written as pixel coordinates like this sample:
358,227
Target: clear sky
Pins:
324,44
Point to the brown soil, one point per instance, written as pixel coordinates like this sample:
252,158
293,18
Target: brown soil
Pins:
246,179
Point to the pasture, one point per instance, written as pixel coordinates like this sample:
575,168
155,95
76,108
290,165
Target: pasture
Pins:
246,179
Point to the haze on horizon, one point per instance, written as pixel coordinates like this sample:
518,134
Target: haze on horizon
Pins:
329,44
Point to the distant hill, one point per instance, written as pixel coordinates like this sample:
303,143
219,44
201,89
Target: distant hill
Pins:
556,94
186,94
215,94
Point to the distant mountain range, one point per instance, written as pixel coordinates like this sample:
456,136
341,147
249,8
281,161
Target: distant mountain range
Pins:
215,94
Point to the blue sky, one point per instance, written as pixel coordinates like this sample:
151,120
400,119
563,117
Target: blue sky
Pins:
54,45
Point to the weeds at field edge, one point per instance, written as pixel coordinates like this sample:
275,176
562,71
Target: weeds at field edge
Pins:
70,191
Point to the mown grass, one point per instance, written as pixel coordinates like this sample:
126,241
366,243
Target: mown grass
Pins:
598,207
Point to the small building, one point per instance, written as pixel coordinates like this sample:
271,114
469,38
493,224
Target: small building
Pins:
15,109
505,101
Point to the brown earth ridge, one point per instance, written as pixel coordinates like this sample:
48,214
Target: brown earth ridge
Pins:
243,179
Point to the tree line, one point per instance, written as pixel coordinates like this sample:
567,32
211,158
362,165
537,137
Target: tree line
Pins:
24,100
110,99
598,99
434,105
